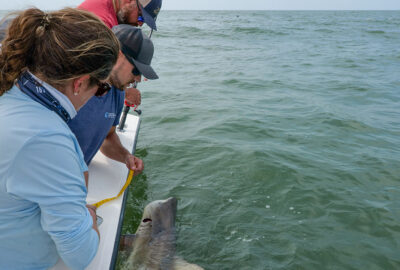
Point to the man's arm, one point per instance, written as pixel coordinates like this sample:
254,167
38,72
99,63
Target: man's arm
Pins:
112,148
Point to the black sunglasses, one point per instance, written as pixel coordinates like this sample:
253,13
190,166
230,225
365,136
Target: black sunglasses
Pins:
102,88
136,71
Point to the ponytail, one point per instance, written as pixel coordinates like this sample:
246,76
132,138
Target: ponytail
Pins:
18,46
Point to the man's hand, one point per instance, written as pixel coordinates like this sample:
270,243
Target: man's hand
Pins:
134,163
133,96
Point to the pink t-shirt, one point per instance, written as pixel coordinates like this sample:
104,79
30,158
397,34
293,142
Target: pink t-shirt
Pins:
103,9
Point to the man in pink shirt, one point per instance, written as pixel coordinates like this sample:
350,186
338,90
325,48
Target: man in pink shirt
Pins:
133,12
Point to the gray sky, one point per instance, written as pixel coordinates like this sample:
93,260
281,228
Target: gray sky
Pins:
229,4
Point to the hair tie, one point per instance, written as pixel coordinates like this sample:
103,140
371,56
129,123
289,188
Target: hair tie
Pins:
46,20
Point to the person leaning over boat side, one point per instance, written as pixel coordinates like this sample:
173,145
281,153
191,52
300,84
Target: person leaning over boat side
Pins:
133,12
95,124
51,64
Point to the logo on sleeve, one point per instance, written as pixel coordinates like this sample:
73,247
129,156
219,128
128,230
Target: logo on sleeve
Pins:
109,115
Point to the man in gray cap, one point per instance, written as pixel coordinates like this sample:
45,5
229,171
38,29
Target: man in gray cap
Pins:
133,12
95,124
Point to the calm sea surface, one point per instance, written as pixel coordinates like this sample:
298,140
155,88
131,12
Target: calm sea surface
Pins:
279,133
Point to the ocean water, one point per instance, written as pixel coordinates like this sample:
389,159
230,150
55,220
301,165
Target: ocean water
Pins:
279,134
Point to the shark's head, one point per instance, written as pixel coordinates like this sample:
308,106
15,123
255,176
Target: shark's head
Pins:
153,245
160,215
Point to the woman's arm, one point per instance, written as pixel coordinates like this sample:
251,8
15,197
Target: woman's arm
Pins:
48,172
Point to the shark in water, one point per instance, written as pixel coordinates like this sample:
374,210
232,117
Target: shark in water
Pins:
153,245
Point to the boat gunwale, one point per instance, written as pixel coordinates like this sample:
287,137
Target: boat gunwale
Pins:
114,256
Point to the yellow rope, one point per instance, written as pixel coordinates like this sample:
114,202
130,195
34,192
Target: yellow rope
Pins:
128,181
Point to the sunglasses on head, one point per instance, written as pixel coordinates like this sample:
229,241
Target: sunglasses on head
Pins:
102,88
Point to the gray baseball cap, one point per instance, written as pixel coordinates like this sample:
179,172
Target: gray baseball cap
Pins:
137,48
